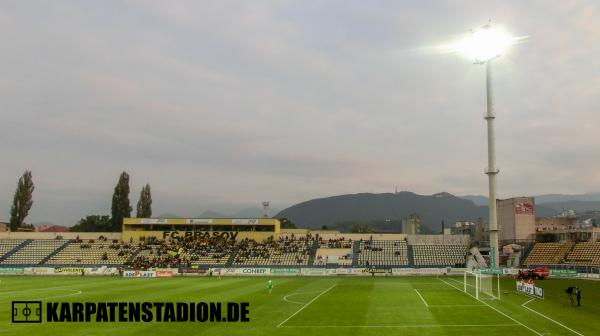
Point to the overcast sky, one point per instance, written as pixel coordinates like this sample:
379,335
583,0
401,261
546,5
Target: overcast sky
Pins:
224,104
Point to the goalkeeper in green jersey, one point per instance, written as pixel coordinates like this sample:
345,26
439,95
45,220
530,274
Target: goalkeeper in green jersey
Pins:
270,285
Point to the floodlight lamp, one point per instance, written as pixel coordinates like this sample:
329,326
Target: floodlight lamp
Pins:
484,44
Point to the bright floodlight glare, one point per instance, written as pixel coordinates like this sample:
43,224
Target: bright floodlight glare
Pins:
484,44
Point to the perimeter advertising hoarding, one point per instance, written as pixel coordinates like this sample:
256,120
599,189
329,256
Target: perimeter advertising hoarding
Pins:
285,271
417,271
139,274
563,273
530,289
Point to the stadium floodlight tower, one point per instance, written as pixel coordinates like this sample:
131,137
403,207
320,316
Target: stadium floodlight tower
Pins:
265,209
482,46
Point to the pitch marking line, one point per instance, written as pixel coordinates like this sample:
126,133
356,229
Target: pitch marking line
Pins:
306,305
408,326
422,299
487,304
75,292
459,305
32,291
285,298
524,305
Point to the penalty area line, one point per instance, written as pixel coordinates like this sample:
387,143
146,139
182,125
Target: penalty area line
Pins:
407,326
306,305
524,305
497,310
422,299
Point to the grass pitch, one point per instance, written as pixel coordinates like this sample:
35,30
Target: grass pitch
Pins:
316,306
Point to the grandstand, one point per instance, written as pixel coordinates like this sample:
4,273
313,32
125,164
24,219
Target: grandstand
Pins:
383,253
248,242
439,255
190,252
434,251
584,254
548,253
7,245
282,251
92,252
34,252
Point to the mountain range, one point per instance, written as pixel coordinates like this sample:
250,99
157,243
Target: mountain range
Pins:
252,212
556,202
367,207
338,211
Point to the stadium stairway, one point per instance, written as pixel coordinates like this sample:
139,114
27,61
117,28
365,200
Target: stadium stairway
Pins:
355,252
133,255
55,252
478,257
526,250
410,255
313,252
231,258
15,249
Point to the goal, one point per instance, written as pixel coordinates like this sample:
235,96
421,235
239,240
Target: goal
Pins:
482,286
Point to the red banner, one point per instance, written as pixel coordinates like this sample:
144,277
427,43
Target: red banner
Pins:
524,209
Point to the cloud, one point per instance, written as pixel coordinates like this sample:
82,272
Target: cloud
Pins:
230,102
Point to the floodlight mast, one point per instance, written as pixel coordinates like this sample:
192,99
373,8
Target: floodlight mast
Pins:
484,46
491,170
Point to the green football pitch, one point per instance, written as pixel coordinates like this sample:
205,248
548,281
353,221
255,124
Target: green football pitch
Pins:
316,306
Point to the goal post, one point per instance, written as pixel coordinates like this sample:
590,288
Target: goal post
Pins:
482,286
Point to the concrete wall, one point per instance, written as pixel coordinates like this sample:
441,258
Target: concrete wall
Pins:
439,239
64,235
333,252
514,219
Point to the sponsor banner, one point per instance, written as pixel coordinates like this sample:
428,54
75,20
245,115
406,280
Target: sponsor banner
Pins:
314,271
103,270
139,274
38,270
347,271
193,270
588,275
198,221
69,270
285,271
495,271
342,271
164,273
242,271
252,271
153,221
11,270
227,235
563,273
377,271
418,271
249,221
510,271
524,208
529,289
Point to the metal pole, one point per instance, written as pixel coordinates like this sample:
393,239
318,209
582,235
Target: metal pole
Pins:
491,170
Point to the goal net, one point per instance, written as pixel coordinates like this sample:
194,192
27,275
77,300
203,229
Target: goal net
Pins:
482,286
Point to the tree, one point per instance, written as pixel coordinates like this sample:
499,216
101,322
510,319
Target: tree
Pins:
362,228
144,205
92,223
121,207
287,224
22,201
